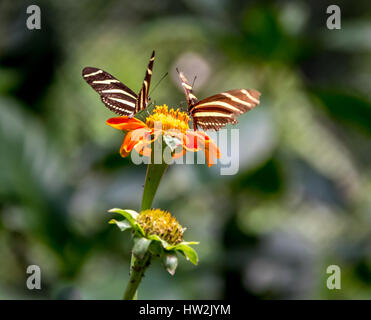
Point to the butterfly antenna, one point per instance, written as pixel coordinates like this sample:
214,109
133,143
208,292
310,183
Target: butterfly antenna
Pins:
163,77
194,81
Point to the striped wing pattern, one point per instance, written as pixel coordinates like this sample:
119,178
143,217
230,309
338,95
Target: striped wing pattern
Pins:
221,109
217,111
142,101
114,94
191,98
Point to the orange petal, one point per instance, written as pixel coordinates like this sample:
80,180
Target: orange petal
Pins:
123,152
179,154
211,149
132,138
143,149
125,123
190,141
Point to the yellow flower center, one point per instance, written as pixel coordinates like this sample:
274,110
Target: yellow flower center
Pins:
161,223
169,119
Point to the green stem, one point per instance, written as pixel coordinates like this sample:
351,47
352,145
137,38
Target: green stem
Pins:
152,181
138,267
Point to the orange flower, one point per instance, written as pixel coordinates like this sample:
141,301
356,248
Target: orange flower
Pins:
167,123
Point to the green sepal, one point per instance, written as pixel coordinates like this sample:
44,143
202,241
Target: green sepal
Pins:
155,237
188,252
141,246
123,224
170,262
183,243
156,248
129,215
183,247
138,229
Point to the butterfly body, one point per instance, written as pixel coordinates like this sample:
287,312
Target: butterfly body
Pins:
115,95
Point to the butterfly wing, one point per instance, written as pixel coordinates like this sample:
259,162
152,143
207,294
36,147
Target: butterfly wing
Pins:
114,94
233,101
188,90
142,101
221,109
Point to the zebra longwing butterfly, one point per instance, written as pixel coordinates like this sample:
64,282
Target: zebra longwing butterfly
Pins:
218,110
114,94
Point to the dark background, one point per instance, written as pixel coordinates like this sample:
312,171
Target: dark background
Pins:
299,203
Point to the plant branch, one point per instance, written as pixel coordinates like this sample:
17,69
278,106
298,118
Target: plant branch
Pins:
138,267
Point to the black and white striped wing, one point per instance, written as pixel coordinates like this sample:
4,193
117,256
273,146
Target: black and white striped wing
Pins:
142,101
114,94
221,109
188,90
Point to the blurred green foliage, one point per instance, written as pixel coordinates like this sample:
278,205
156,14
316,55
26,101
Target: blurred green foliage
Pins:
300,200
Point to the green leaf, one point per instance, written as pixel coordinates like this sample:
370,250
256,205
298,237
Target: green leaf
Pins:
170,263
183,243
123,225
140,246
189,252
129,215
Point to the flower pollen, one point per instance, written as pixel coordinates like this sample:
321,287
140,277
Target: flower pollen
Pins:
170,119
161,223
